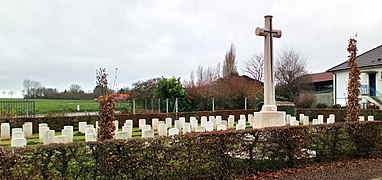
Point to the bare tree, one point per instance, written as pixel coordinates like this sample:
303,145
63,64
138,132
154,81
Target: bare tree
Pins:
11,93
229,66
353,83
27,83
289,67
75,88
254,67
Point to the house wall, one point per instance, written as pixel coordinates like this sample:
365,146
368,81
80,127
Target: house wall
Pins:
341,80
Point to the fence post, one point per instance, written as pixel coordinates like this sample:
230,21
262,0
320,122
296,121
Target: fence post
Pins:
245,103
167,105
133,106
176,105
213,103
159,105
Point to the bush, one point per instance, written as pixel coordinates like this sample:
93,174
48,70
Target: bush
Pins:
210,155
306,99
321,105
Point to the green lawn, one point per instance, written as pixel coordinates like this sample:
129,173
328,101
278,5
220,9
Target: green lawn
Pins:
59,106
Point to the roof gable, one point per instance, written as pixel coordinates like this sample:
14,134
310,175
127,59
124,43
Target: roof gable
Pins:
369,58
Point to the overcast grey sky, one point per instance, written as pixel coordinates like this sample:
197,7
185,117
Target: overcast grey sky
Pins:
63,42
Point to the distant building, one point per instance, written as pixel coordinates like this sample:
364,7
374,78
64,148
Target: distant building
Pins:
321,85
370,64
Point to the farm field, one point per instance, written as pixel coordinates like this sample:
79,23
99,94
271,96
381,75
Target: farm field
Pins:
60,106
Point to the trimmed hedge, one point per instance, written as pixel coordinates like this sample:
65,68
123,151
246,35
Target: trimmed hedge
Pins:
211,155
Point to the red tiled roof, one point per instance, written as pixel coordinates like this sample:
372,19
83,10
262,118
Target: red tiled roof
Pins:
318,77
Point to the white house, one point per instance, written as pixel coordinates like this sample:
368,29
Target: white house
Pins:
370,64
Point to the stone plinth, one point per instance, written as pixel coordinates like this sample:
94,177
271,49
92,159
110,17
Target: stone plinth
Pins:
269,118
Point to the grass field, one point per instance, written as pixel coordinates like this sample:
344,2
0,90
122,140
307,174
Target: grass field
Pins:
59,106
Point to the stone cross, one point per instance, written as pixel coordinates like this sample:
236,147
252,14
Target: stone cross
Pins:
269,88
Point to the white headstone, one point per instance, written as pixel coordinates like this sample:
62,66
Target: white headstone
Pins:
333,117
148,134
173,131
241,121
361,118
210,118
251,119
321,119
41,133
146,127
48,137
231,122
200,129
288,119
60,139
69,134
301,118
224,122
203,121
231,116
240,126
162,129
194,123
305,120
128,130
370,118
330,120
209,126
90,134
186,128
178,124
142,122
122,135
18,142
17,133
129,121
168,122
242,116
315,122
5,131
293,121
28,129
154,123
221,127
81,127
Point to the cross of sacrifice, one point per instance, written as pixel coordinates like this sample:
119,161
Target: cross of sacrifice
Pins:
269,89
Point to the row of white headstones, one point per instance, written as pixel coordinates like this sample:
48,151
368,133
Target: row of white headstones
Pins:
164,128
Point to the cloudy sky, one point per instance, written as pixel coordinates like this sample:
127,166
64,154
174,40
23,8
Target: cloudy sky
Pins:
63,42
